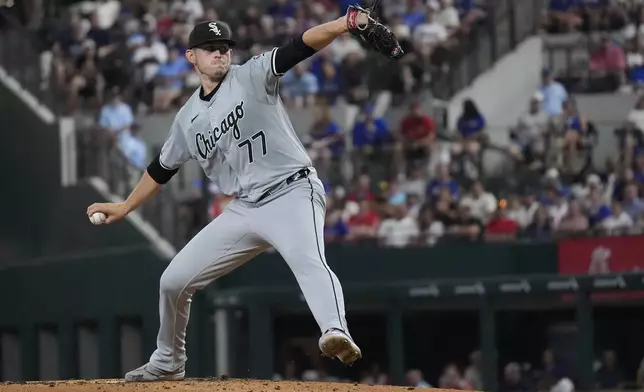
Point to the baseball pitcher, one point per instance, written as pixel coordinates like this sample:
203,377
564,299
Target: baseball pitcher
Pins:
237,129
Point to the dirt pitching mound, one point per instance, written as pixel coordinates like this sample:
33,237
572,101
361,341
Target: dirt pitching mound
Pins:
200,385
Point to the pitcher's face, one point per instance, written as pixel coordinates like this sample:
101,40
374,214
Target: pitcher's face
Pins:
211,59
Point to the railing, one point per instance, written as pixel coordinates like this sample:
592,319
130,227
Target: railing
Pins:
568,55
508,23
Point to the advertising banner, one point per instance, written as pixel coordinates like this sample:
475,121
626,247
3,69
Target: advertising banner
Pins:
603,255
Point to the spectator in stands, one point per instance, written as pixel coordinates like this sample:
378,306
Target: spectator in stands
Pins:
557,207
299,86
446,196
619,222
631,135
638,169
540,228
415,378
598,208
470,136
430,33
343,46
442,179
148,53
416,138
86,80
335,228
116,118
134,149
416,183
500,227
463,226
519,212
353,78
414,204
513,379
575,129
481,204
363,189
193,9
327,140
363,227
452,379
554,94
116,63
528,137
370,136
551,372
400,230
395,193
328,76
170,80
618,180
632,204
447,15
473,371
608,63
430,229
634,62
609,375
593,185
563,17
574,221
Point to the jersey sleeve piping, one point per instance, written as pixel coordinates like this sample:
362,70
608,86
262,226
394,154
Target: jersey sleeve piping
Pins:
273,67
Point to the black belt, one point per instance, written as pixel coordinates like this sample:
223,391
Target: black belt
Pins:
302,173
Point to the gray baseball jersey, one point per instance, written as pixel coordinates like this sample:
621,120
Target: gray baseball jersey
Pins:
241,135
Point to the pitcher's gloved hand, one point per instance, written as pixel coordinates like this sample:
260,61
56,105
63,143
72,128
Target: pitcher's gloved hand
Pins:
375,34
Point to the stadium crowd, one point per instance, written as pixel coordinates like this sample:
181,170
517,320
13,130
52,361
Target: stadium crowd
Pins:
428,192
553,374
432,193
137,47
125,59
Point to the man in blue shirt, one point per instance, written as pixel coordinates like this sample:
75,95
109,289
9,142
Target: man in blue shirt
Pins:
116,118
300,86
442,180
135,150
554,94
170,80
371,132
633,204
369,137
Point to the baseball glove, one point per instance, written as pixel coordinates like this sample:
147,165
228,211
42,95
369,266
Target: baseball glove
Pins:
375,34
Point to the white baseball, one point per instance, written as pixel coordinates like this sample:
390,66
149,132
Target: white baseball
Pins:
97,218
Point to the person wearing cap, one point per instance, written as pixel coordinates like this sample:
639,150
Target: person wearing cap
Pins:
237,129
528,137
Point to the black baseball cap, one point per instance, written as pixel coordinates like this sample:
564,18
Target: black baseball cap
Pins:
210,31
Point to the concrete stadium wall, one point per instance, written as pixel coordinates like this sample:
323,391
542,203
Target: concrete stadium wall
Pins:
502,92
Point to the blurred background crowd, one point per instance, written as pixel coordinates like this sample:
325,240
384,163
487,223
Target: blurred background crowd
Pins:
552,374
413,183
123,61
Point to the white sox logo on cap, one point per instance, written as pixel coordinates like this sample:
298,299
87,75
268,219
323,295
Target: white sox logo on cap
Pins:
214,28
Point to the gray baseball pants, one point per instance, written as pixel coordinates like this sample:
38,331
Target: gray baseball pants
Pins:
292,221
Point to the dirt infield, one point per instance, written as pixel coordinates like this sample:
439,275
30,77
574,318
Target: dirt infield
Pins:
198,385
